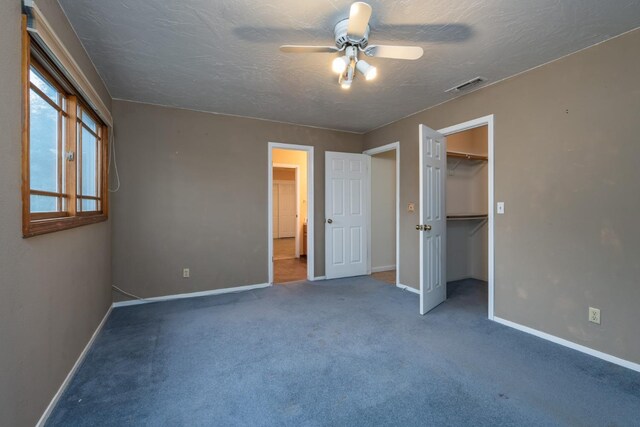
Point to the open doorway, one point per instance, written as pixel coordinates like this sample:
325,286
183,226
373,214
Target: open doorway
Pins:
383,254
286,211
469,203
290,213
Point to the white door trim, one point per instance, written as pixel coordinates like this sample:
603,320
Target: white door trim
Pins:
297,171
372,152
471,124
310,206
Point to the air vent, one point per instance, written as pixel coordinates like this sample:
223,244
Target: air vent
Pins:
467,85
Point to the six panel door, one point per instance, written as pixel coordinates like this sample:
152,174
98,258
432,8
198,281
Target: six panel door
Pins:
346,193
433,219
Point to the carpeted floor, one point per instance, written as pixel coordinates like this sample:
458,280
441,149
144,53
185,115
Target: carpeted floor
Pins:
343,352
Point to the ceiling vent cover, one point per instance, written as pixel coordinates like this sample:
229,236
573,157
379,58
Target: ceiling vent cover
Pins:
467,85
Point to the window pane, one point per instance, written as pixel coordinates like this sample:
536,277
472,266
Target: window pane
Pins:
89,164
44,204
43,148
87,120
88,205
38,80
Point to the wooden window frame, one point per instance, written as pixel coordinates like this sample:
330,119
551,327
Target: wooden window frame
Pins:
34,224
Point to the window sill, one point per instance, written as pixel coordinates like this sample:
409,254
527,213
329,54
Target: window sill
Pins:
38,227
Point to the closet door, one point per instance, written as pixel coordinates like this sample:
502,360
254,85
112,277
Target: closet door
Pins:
433,219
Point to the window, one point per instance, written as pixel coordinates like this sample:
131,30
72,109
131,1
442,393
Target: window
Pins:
64,151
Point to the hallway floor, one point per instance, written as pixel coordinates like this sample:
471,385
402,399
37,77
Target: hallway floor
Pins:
385,276
290,270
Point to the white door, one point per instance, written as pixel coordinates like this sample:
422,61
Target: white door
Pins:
346,190
286,209
433,219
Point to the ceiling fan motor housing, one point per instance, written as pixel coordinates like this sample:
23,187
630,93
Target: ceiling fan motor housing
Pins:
342,39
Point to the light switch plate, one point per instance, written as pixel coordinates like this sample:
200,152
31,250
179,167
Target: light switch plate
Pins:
500,208
411,207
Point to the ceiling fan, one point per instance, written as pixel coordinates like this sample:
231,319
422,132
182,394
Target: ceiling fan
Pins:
352,36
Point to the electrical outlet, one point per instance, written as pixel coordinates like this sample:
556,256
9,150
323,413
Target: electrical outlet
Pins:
186,273
594,315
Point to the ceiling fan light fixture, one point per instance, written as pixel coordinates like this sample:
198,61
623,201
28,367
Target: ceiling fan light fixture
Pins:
346,79
351,36
368,71
340,64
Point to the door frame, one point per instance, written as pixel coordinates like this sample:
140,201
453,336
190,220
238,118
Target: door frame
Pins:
371,152
297,185
310,206
471,124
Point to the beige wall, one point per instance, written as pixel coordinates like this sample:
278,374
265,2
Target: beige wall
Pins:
566,150
298,158
200,201
55,288
383,210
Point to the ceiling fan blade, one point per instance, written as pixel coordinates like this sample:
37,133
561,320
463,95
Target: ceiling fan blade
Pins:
358,20
308,49
395,52
428,33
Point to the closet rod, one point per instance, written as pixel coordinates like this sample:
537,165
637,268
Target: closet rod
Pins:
461,217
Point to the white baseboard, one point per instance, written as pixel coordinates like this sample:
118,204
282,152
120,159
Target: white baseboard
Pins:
383,268
319,278
595,353
67,380
408,288
191,295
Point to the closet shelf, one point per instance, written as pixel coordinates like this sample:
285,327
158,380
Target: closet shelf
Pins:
462,217
467,156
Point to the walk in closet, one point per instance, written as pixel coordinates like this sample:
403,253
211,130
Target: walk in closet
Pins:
467,205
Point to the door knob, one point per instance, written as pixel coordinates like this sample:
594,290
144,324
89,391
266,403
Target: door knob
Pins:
427,227
330,221
419,227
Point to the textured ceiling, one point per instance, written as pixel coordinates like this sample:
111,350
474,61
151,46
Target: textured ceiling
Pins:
222,56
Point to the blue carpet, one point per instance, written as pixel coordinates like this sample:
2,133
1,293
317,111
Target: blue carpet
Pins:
342,352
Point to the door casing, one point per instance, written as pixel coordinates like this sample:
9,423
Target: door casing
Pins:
310,206
471,124
372,152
